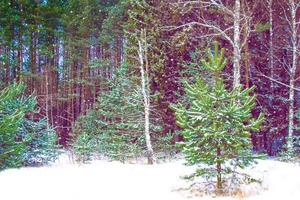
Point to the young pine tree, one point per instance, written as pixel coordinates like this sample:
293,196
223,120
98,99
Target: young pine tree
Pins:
11,117
216,123
23,141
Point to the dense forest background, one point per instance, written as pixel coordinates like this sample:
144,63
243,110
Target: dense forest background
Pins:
67,52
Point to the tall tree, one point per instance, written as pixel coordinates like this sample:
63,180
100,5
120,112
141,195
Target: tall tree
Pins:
293,22
144,68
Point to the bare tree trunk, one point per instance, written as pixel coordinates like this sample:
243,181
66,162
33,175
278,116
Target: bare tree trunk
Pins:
291,112
33,69
85,78
145,85
247,65
47,94
219,173
236,47
1,64
271,48
20,59
19,67
7,66
293,11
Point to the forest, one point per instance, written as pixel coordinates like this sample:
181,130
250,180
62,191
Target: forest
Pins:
215,83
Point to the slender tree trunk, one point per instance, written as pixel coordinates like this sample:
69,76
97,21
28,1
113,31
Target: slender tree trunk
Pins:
53,83
236,47
217,78
271,46
145,91
1,64
219,173
20,46
85,77
291,112
246,31
32,50
47,94
76,90
293,12
271,67
247,65
7,66
20,59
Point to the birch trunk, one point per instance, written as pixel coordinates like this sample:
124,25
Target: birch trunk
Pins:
237,46
291,113
271,51
145,85
293,10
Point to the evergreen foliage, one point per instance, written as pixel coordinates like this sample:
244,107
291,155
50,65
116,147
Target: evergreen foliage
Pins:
216,123
84,147
11,116
291,154
115,124
41,142
164,146
23,141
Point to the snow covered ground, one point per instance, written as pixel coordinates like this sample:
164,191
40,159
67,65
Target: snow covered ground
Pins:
103,180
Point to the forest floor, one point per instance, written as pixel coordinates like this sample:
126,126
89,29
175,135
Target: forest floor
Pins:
102,180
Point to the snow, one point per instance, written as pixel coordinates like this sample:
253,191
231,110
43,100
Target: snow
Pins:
103,180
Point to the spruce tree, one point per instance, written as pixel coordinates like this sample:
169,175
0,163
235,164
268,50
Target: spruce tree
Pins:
216,123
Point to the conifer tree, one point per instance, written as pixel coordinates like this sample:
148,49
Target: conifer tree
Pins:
11,116
114,127
217,122
23,141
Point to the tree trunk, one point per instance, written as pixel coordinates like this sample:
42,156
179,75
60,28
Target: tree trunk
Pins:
20,59
32,64
293,10
247,65
145,91
47,94
236,47
7,66
246,32
219,173
291,113
271,48
85,78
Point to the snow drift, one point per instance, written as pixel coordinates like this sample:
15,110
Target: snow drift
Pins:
102,180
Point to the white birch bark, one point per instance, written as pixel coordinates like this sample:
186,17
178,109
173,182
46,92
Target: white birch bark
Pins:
232,33
236,45
271,46
293,27
146,97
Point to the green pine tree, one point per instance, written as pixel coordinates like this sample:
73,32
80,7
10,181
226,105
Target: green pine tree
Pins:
22,140
11,117
216,123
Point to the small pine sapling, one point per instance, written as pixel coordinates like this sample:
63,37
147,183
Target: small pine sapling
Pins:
216,123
